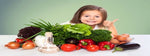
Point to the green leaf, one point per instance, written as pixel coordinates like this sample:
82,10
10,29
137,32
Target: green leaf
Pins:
80,28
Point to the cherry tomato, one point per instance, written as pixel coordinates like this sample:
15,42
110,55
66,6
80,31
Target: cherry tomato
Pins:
68,47
19,40
92,48
29,41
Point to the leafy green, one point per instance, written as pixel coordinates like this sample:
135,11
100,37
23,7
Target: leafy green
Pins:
100,35
80,28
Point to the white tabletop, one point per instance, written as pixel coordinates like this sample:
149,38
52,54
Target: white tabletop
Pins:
143,40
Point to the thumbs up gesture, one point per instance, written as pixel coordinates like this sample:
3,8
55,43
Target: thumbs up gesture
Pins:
109,23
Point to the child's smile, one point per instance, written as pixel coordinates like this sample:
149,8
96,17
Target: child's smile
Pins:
91,17
91,21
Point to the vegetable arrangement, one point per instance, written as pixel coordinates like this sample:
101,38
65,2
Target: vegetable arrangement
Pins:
77,31
72,37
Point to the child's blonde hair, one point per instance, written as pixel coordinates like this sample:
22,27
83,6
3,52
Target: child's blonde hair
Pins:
77,15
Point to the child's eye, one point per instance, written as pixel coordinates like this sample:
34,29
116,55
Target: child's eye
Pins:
86,16
97,16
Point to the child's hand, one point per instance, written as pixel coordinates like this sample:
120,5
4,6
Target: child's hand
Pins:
109,23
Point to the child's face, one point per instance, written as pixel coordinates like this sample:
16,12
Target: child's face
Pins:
91,17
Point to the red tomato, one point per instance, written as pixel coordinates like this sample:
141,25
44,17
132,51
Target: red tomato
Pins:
29,41
78,48
68,47
19,40
92,48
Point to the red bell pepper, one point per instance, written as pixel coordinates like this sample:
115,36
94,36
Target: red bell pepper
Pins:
84,42
105,45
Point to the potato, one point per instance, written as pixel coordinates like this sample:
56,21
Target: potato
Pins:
126,35
122,42
122,38
114,41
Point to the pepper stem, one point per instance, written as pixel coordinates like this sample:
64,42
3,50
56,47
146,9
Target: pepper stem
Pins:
84,43
107,47
117,49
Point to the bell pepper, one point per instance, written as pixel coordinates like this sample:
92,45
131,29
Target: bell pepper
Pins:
84,42
105,45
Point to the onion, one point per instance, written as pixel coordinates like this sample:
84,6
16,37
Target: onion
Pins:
12,45
28,45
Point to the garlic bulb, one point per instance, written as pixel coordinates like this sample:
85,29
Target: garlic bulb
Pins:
39,40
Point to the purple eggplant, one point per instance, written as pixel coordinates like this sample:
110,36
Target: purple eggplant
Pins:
127,46
72,41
